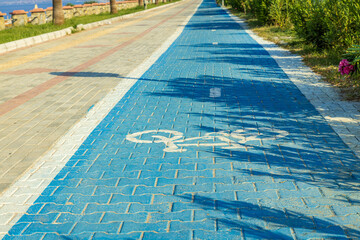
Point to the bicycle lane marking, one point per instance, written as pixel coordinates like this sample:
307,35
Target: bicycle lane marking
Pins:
277,189
12,204
30,94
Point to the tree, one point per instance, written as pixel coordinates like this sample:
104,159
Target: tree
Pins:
58,14
113,7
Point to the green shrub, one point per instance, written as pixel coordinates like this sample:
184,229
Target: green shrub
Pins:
307,16
261,9
280,13
342,19
353,56
323,23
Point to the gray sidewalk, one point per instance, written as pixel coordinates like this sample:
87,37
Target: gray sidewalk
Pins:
47,88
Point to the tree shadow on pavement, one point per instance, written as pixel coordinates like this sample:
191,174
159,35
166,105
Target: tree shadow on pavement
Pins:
274,224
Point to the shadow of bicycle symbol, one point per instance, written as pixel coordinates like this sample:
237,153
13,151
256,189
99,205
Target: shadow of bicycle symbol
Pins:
175,141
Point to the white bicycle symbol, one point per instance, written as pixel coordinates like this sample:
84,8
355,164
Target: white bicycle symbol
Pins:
226,140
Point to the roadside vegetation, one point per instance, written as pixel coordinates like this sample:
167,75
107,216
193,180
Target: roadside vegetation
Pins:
326,33
20,32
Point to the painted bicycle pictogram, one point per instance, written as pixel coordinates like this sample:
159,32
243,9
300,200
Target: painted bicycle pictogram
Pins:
176,141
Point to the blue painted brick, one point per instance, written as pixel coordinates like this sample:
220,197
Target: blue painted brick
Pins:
38,218
219,235
172,216
261,233
58,199
107,236
136,167
275,186
76,175
300,193
99,182
182,189
120,198
332,232
175,181
138,207
55,208
208,225
346,210
155,160
169,235
191,160
205,166
98,208
69,190
153,190
82,227
89,218
78,199
246,187
63,228
160,174
181,206
243,196
118,174
35,236
219,180
104,190
160,198
125,217
82,236
188,166
129,227
188,173
131,181
18,229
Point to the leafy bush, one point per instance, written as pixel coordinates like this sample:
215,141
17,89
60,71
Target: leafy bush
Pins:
280,13
308,20
261,9
353,56
323,23
342,19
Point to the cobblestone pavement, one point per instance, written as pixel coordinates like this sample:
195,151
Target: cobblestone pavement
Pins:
212,142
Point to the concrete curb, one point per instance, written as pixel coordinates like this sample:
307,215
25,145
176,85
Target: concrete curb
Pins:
28,42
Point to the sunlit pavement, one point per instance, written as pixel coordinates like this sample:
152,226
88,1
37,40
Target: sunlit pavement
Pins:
212,142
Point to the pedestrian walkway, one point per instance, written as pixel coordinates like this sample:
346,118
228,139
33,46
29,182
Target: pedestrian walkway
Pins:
46,89
212,142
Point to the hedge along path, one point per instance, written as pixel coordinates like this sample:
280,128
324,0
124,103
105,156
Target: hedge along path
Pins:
32,57
28,95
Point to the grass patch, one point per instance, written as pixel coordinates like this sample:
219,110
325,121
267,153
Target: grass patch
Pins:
324,62
21,32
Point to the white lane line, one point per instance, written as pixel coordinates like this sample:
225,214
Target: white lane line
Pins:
16,200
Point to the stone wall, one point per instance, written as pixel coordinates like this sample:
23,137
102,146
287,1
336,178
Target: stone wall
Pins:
41,16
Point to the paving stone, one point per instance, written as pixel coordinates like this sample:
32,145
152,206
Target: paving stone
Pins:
213,141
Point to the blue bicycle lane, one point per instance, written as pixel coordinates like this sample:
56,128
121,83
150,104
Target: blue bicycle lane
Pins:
213,142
